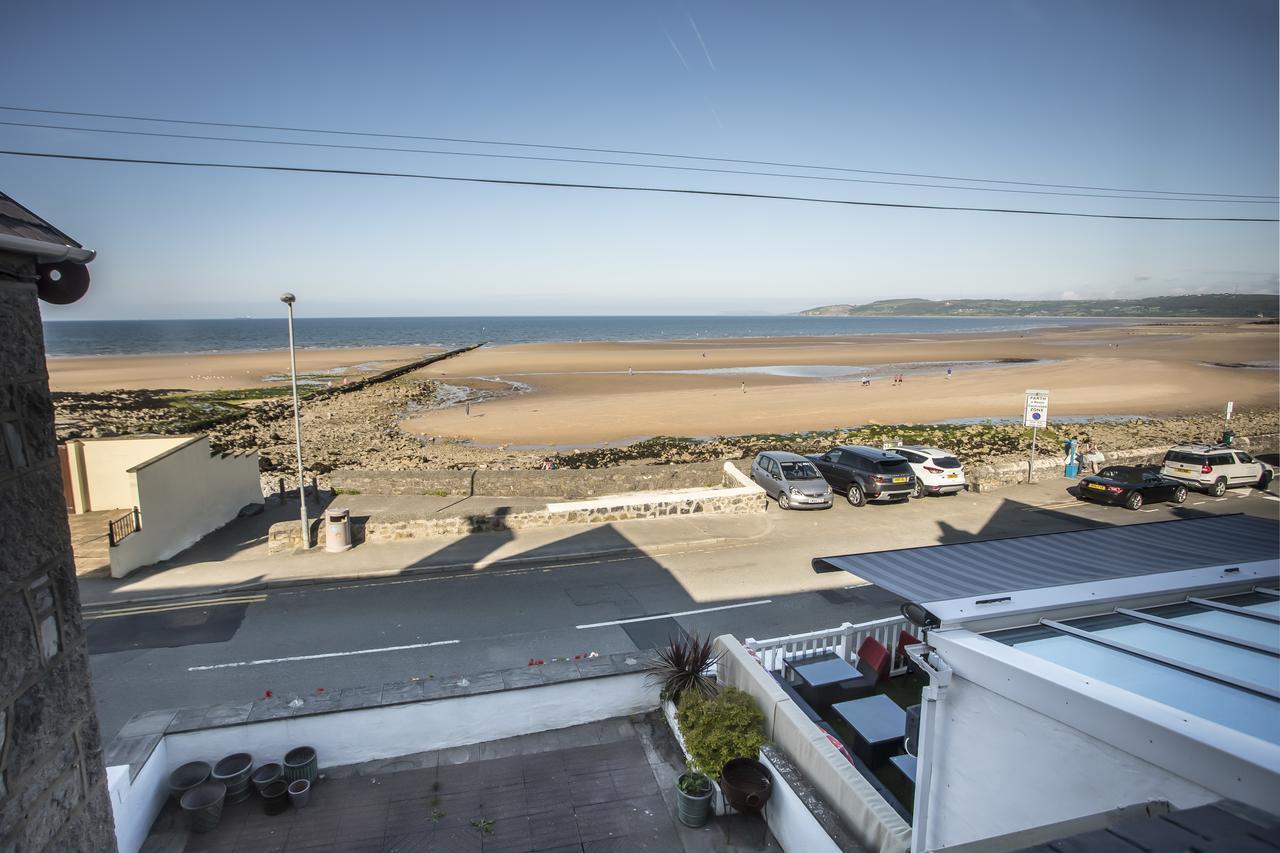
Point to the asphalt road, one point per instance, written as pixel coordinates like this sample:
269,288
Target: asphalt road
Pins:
234,648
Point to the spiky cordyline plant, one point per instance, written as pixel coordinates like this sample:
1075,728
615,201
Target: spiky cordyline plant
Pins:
683,666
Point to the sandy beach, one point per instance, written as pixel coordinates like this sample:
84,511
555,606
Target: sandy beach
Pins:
591,393
568,395
214,371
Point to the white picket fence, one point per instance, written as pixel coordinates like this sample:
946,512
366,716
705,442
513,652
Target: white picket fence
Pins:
843,640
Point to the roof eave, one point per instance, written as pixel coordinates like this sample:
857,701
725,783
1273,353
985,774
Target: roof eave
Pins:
44,252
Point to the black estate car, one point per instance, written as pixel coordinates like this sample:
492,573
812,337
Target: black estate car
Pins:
866,474
1130,486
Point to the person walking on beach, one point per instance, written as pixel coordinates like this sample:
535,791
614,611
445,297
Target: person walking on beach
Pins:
630,372
948,374
467,408
744,387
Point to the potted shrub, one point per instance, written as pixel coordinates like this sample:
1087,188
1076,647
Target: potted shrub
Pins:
684,666
716,730
693,797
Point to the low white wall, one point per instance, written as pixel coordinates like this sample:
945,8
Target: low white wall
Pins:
183,495
135,804
745,487
790,821
104,464
351,737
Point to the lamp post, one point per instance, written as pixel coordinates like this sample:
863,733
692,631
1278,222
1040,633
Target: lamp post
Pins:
288,299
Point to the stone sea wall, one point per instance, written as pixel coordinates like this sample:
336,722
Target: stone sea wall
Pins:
739,495
565,484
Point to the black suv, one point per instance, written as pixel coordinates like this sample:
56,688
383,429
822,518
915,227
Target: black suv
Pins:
866,474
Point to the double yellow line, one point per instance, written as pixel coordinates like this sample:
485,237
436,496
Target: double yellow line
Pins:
166,606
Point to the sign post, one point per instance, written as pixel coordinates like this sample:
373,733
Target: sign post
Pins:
1035,414
1230,407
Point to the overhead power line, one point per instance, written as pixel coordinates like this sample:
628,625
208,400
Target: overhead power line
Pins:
620,188
628,152
580,161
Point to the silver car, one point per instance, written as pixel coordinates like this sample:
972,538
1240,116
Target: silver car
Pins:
792,479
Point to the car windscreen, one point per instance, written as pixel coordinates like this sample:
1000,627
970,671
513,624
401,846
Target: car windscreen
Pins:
893,466
1124,475
946,462
1180,456
800,471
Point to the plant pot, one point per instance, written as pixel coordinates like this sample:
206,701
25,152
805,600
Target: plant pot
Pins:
693,809
299,792
187,777
300,763
746,784
203,805
267,774
233,771
275,797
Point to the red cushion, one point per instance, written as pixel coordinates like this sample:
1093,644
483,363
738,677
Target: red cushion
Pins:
874,657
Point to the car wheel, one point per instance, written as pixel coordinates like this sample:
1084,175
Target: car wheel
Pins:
1134,501
1180,495
855,495
1264,480
784,501
917,491
1219,487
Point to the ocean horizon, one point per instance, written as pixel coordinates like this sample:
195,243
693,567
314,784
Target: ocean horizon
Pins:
66,338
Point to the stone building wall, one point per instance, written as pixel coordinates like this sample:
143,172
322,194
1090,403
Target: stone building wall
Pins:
53,793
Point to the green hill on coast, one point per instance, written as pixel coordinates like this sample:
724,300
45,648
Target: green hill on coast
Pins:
1205,305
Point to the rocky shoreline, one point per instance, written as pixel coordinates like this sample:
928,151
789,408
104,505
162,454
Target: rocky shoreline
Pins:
360,429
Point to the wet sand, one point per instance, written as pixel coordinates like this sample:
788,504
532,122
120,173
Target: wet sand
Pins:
212,371
591,393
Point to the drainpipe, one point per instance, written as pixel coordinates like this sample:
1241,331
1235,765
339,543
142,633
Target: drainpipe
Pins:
931,699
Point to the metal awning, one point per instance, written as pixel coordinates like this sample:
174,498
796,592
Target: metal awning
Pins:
945,572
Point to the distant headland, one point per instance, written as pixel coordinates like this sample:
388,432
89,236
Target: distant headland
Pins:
1204,305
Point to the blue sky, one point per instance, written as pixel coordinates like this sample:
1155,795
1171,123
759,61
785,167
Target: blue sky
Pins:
1154,95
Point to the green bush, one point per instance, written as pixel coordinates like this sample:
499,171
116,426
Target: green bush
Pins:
720,728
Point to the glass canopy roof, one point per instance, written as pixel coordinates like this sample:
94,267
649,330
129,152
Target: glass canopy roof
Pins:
1218,659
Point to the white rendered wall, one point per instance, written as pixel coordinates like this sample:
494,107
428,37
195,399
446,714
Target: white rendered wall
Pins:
1002,768
790,821
134,805
182,496
106,463
351,737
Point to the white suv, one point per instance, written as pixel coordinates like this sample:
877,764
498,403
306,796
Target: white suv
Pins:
1214,468
938,472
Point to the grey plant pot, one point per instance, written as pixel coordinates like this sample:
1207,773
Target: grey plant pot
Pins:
203,805
187,777
267,774
693,809
301,762
299,792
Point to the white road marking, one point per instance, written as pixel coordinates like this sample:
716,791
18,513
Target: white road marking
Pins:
1270,498
673,615
318,657
1148,510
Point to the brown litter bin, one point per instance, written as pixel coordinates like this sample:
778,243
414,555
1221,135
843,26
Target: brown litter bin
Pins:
337,530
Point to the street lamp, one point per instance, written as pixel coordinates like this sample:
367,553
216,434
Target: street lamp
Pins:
288,299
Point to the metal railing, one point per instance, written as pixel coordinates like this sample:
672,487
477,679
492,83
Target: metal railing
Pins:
843,640
118,529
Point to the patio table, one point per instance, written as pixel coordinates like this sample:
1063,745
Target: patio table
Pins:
878,724
825,681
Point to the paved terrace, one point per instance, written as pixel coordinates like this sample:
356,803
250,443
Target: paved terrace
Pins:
606,786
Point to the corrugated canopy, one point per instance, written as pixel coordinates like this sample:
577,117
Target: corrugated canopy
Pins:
942,572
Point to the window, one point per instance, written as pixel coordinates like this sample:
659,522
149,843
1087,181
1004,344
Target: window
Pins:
893,466
800,471
1219,621
1244,457
1185,458
946,462
1221,459
852,460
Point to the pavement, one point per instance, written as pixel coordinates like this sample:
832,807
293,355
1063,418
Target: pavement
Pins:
604,786
228,631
